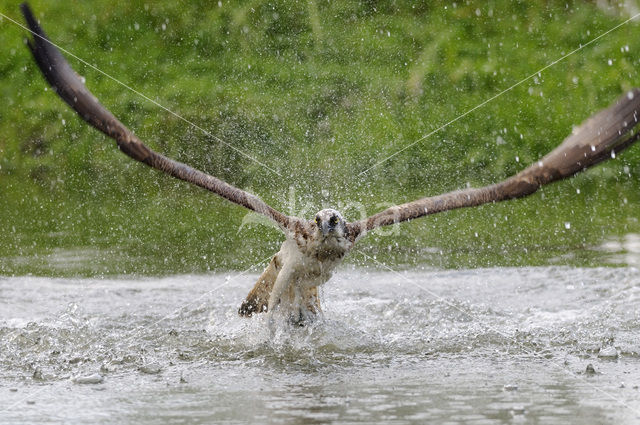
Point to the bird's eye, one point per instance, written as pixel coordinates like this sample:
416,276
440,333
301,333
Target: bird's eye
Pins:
333,220
318,221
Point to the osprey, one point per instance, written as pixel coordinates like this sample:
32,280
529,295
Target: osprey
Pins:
313,248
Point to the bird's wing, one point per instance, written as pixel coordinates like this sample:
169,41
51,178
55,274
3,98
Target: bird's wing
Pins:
72,90
598,138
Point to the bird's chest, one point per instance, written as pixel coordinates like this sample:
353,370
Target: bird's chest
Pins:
310,266
311,271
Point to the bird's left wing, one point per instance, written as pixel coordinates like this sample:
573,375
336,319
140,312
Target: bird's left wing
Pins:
72,90
598,138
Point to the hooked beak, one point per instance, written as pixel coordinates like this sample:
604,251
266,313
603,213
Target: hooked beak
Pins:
326,228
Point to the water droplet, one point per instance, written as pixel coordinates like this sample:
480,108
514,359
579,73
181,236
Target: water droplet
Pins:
609,352
95,378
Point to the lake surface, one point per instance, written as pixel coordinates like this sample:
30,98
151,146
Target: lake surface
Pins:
500,345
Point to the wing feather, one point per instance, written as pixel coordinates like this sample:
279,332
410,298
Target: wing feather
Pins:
598,138
72,90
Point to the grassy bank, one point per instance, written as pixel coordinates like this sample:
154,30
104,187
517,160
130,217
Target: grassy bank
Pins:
319,92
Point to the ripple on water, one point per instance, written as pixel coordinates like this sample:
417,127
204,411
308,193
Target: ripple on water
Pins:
448,329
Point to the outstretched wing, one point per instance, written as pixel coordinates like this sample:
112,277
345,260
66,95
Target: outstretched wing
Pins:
71,89
598,138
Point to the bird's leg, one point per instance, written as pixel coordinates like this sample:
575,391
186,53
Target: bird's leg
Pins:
312,300
305,304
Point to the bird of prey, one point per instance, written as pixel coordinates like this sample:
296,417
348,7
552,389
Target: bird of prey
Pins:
313,248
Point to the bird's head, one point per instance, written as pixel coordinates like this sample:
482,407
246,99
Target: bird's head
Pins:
329,222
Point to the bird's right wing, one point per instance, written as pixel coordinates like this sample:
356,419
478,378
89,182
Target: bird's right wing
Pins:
72,90
600,137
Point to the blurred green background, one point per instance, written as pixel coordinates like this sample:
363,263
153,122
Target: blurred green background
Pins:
319,91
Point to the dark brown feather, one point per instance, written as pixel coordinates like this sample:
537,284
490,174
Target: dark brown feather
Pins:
607,132
71,89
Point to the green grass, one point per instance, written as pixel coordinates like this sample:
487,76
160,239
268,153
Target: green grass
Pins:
319,91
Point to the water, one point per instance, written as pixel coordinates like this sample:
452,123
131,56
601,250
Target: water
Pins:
501,345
